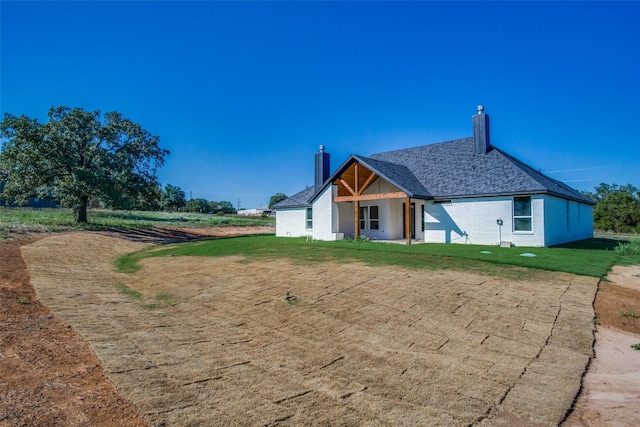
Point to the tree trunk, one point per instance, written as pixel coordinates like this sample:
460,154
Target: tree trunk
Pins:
81,214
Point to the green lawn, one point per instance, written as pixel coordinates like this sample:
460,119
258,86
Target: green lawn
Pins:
593,257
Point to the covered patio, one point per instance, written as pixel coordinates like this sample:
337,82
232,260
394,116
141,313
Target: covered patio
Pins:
358,190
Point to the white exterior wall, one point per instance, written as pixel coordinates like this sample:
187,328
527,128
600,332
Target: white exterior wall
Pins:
325,216
474,221
346,221
384,220
394,214
466,221
291,222
419,223
388,212
566,220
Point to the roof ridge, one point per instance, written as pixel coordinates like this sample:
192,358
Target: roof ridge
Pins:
433,144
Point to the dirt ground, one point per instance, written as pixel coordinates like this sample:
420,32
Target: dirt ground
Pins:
49,375
611,389
215,342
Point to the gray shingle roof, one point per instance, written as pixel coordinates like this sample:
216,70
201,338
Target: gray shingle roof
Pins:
449,170
452,170
298,200
398,174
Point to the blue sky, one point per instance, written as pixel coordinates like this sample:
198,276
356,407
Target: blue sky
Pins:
242,93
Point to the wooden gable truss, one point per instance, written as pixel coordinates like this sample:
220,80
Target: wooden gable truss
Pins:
352,183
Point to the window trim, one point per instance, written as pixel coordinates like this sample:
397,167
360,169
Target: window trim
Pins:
529,217
367,222
374,221
309,218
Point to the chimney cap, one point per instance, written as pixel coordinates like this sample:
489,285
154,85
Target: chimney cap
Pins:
480,109
322,148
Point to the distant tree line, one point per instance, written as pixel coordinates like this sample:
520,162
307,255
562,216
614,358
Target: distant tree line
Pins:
170,198
617,208
209,206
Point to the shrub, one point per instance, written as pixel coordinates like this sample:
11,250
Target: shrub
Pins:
626,229
630,248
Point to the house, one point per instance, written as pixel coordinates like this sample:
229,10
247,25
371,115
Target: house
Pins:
254,212
461,191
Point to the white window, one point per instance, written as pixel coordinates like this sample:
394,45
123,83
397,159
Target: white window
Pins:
309,218
522,214
369,219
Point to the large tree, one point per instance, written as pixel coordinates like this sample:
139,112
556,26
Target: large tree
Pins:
174,197
78,155
617,207
278,197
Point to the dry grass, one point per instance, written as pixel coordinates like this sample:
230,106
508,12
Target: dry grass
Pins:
357,345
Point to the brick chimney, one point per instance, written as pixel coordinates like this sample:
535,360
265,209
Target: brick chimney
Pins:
322,168
481,143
